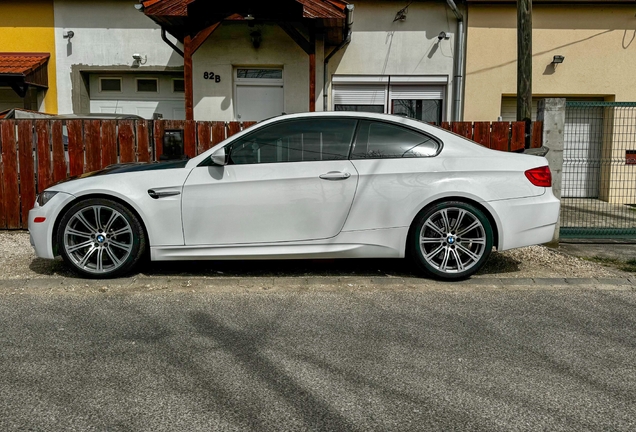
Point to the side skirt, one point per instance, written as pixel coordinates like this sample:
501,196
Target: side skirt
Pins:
385,243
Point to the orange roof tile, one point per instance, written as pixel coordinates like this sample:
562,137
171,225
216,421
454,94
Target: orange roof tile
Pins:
21,63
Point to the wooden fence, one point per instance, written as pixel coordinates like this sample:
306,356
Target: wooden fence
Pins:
38,153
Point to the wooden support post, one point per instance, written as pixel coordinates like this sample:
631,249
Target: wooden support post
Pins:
312,82
188,77
524,66
190,46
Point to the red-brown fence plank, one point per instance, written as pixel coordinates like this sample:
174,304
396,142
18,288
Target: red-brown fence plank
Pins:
482,133
158,137
10,175
109,142
218,132
3,223
75,147
143,141
126,141
537,134
203,136
233,128
27,170
464,129
92,132
518,136
248,124
57,145
43,132
190,138
499,136
445,125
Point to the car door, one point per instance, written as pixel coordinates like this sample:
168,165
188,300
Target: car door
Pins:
288,181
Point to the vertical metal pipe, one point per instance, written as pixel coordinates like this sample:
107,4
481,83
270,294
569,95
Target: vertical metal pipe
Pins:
460,49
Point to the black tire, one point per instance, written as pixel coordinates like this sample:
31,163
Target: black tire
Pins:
100,238
448,248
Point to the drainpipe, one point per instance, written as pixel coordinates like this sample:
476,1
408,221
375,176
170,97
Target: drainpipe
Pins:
345,42
166,40
460,47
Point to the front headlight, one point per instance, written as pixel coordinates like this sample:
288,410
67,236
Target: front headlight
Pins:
45,197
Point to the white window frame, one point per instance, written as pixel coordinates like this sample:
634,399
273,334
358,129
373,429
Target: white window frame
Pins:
178,79
387,84
121,84
146,78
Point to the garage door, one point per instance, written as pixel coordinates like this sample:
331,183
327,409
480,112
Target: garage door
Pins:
148,95
581,147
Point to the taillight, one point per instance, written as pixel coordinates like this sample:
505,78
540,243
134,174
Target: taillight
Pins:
541,176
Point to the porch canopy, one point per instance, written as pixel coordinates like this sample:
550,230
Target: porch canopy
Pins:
23,70
193,21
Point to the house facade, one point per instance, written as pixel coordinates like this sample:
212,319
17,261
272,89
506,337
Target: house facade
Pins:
27,55
584,52
115,62
254,60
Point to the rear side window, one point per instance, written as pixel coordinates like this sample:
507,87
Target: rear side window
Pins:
377,140
296,141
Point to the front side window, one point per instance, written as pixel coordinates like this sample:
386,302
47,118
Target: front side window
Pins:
296,141
377,140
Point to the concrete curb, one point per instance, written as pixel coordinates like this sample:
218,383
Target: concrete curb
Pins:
185,283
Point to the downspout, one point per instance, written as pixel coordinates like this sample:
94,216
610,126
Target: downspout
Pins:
345,42
458,85
166,40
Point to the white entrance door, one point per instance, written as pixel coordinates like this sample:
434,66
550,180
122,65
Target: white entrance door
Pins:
258,93
582,152
256,103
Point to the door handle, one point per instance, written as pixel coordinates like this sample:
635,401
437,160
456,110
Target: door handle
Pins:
335,175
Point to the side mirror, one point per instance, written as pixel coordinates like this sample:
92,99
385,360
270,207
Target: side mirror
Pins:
220,157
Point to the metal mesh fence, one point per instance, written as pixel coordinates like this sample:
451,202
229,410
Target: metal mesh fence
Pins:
598,195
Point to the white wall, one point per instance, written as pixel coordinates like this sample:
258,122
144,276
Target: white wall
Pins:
107,33
230,46
380,46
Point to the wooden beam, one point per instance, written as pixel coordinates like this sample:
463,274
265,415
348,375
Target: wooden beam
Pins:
298,38
202,36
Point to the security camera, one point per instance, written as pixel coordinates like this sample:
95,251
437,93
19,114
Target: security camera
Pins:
442,35
68,35
137,56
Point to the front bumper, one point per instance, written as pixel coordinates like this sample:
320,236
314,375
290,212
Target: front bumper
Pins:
41,233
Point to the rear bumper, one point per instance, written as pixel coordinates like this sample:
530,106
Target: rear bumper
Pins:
526,221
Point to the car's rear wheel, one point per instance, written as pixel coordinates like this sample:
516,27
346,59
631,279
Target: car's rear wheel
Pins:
100,238
451,240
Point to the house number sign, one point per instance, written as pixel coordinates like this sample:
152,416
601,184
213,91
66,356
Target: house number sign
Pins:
211,76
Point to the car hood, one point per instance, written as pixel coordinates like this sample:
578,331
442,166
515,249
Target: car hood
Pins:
128,168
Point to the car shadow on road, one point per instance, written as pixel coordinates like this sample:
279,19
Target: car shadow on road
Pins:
496,264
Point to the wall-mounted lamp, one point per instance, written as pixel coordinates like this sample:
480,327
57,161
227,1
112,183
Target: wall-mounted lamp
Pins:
139,59
139,7
68,35
249,17
557,59
442,35
256,37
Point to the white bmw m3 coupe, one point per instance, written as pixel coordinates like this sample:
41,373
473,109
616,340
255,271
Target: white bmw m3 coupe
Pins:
311,185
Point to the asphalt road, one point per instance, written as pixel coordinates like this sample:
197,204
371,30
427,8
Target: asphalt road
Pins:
445,358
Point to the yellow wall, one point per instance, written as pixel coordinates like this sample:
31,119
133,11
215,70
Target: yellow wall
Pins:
28,26
598,42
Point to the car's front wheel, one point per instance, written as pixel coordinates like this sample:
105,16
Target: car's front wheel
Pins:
100,238
451,240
